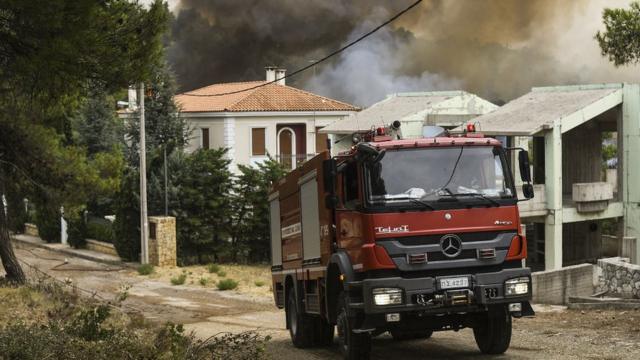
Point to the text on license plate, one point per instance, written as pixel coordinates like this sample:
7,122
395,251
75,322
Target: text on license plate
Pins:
454,283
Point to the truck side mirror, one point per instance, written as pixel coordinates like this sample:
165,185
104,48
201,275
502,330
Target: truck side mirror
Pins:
330,173
525,172
527,191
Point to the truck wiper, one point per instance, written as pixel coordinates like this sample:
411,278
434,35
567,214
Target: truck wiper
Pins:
477,195
422,203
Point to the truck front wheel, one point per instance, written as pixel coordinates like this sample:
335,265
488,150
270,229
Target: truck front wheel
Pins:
353,346
493,333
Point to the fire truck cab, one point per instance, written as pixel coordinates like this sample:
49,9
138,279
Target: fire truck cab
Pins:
402,236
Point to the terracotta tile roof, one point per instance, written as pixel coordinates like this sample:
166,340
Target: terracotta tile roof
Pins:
270,97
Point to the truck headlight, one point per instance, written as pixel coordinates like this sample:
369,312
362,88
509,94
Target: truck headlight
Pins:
387,296
517,286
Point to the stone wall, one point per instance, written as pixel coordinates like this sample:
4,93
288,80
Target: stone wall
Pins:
556,286
31,229
618,277
162,241
101,247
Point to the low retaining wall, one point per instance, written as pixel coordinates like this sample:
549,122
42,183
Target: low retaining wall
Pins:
31,229
556,286
101,247
618,277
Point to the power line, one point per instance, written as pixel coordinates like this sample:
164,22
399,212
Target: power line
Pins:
336,52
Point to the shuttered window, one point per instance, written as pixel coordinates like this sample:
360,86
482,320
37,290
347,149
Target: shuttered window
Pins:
205,138
258,142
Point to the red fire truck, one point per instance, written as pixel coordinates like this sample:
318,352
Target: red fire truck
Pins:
406,236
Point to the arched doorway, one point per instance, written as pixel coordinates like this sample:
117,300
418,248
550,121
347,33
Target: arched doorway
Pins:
287,147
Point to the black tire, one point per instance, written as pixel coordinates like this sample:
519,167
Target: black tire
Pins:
300,326
352,346
399,335
323,332
493,334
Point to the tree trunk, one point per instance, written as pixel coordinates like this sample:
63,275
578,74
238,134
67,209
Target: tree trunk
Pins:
8,257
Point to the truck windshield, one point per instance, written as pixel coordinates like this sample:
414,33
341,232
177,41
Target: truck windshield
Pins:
472,173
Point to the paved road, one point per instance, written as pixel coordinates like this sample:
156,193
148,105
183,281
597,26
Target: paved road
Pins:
551,335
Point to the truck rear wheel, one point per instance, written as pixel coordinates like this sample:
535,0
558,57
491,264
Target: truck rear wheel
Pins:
300,325
493,334
306,330
353,346
400,335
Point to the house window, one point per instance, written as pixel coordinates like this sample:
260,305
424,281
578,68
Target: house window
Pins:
321,141
204,141
258,147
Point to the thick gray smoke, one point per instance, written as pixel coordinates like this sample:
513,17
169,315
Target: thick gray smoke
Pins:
495,48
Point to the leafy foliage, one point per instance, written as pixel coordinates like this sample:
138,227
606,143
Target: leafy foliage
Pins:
76,230
48,222
88,332
100,230
227,284
179,280
250,223
146,269
126,227
620,41
50,56
205,186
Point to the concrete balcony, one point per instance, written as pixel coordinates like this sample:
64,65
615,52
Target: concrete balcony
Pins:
592,197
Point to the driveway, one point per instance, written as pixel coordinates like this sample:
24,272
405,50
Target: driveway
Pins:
553,334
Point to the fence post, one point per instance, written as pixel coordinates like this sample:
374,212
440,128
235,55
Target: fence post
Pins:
63,227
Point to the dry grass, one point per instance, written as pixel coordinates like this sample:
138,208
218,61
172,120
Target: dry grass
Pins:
246,275
24,304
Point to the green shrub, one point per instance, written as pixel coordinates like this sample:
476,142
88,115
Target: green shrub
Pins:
179,280
222,273
48,222
259,283
88,334
145,269
227,284
213,268
76,231
100,230
17,216
126,228
204,281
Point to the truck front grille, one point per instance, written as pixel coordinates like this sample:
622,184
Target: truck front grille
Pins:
435,239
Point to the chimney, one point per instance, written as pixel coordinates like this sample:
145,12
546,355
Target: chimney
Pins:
271,73
280,74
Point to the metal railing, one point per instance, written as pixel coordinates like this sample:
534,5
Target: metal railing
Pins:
293,161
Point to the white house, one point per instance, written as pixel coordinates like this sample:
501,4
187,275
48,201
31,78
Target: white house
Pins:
253,121
414,110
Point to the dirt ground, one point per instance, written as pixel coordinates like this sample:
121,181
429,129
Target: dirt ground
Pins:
555,333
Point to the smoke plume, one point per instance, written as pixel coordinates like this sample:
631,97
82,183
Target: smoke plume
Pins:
497,49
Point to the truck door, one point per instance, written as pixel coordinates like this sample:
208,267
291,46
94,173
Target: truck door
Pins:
349,218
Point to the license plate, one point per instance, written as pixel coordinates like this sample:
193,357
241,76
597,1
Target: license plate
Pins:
454,283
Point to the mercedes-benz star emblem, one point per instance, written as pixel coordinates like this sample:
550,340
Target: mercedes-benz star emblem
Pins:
451,245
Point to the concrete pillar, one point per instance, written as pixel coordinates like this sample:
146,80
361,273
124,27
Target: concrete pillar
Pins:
630,159
553,193
162,241
229,134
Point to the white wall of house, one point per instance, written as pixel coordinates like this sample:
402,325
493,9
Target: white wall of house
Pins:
243,123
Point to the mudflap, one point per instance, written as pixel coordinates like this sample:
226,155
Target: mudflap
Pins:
527,310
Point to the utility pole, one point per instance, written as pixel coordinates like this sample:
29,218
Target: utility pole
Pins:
144,225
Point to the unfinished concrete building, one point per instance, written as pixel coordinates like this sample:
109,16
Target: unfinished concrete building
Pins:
575,196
